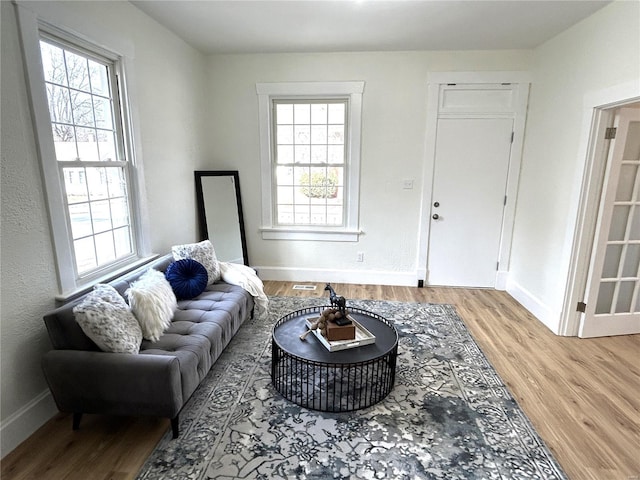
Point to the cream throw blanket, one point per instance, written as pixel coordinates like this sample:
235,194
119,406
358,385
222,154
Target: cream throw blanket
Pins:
245,277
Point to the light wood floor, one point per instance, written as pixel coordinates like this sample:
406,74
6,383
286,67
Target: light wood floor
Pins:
582,396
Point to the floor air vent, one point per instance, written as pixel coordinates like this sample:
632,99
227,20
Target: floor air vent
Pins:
304,287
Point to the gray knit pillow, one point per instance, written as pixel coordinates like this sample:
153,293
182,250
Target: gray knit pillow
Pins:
106,319
203,253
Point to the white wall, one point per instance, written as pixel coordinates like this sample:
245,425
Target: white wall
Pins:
600,52
393,141
168,82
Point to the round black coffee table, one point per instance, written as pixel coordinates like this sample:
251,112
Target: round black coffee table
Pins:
307,373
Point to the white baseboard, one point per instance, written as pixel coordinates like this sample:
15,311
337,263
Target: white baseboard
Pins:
535,306
16,428
502,278
366,277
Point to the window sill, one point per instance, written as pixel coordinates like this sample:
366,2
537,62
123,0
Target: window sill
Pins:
81,290
337,235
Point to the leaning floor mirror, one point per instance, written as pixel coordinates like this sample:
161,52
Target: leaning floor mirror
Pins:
220,214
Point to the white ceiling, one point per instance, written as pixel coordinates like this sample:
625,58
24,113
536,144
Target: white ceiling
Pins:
240,26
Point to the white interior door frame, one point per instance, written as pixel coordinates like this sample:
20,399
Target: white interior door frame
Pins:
599,111
434,81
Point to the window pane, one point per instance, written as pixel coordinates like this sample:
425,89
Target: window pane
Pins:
105,247
64,141
319,113
106,146
122,237
77,71
119,212
284,176
101,216
80,220
85,255
59,104
625,295
285,154
102,108
97,183
319,153
284,113
302,134
336,153
605,297
82,109
99,78
53,64
285,195
302,113
302,154
116,181
319,134
75,185
336,113
336,134
87,144
284,134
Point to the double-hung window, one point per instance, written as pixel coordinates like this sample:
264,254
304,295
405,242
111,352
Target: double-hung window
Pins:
310,142
85,153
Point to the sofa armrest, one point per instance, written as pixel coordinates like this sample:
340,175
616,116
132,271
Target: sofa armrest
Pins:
114,383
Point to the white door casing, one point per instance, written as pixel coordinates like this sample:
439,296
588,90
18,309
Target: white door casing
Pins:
613,286
471,167
474,95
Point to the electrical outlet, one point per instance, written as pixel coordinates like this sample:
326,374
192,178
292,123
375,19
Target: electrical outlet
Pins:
360,257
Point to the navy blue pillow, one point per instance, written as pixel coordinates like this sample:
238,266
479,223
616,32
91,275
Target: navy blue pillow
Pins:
187,277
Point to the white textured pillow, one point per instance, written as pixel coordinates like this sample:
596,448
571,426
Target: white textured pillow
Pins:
202,252
153,303
106,319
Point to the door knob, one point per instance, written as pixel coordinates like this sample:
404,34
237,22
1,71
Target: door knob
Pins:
435,216
437,204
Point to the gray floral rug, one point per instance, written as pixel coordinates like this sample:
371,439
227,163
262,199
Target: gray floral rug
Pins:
449,416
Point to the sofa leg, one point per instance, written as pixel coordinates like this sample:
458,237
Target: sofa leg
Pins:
76,420
175,426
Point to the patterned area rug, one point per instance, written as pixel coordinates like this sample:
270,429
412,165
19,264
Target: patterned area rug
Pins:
449,416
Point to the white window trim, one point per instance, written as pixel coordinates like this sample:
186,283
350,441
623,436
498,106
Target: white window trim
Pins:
350,232
69,283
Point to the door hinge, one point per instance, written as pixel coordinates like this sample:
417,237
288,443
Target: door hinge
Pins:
513,134
497,265
610,133
505,200
581,307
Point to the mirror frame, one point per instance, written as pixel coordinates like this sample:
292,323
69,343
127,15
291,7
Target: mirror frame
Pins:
202,218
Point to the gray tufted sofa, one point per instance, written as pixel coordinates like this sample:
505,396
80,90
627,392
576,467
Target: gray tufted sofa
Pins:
160,379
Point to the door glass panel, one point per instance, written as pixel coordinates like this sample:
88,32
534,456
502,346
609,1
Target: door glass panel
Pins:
631,261
632,147
626,182
634,233
625,294
605,297
612,261
619,222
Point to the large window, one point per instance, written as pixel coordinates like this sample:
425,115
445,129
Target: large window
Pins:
85,147
85,123
309,162
310,141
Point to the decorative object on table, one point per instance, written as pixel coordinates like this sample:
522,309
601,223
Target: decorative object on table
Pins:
449,415
339,302
327,324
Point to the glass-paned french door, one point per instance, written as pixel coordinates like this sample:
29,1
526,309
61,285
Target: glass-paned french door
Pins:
613,298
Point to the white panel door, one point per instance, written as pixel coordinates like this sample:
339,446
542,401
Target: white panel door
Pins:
613,287
470,177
